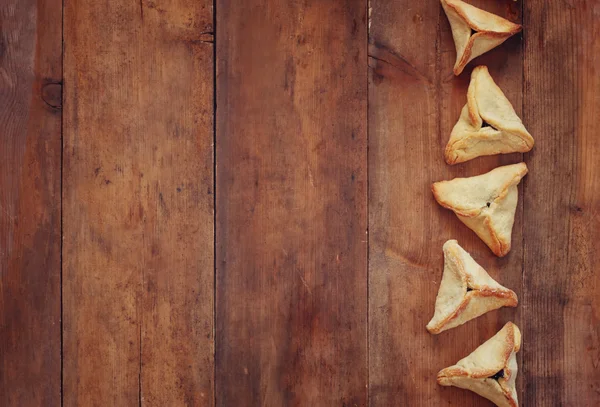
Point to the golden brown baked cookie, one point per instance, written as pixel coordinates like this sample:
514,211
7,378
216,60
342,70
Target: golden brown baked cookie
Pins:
490,370
485,203
488,123
466,291
475,31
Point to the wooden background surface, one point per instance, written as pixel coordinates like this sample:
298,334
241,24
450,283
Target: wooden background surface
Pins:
227,202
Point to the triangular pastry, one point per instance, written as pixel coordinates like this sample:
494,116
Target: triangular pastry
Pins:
488,123
466,291
485,203
490,370
475,31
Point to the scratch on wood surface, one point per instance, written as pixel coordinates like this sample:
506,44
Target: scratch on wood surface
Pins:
383,54
393,254
303,281
142,9
207,36
369,18
162,204
268,378
310,177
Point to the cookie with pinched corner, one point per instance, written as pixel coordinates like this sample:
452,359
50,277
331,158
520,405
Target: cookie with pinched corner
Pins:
485,203
490,370
488,123
466,291
475,31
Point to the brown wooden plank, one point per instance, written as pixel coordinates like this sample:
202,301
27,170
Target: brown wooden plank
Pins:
562,204
414,101
138,194
291,203
30,134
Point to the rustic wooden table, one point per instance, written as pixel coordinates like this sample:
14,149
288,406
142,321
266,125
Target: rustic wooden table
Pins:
228,203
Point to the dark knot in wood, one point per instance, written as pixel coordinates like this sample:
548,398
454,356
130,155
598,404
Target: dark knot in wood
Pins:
52,95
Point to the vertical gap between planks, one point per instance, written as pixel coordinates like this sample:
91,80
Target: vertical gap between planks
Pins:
214,188
525,181
367,232
62,131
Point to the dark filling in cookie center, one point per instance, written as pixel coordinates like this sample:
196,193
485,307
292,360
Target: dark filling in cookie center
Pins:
469,289
488,204
473,32
498,375
486,124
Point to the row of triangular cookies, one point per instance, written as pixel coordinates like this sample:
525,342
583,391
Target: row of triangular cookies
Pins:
488,125
466,292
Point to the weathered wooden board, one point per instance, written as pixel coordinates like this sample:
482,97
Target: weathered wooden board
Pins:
291,211
138,201
294,289
30,150
561,355
414,101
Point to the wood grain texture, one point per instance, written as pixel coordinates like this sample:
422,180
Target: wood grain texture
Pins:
299,321
138,193
30,123
414,101
291,203
562,204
